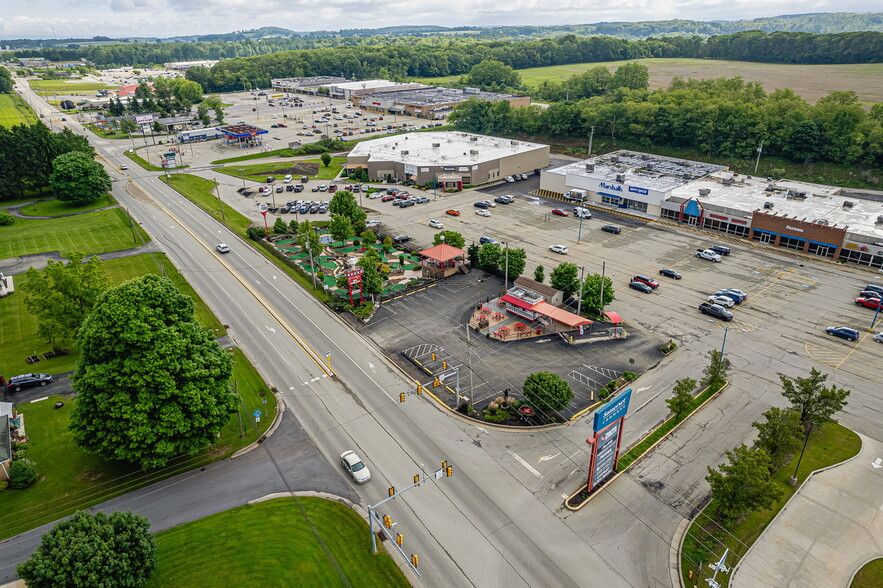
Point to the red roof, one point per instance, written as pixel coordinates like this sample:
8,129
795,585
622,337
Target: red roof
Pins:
442,252
560,315
614,317
517,302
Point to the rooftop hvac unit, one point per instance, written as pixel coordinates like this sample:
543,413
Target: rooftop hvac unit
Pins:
590,167
879,220
405,152
767,205
620,178
471,90
473,139
791,192
436,145
704,191
822,221
770,188
513,143
848,204
728,181
473,152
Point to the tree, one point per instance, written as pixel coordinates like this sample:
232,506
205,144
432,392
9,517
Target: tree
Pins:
368,237
716,371
308,239
593,288
280,226
513,261
22,474
742,485
62,295
152,382
780,435
493,74
565,278
93,550
202,115
186,93
128,126
341,228
372,280
489,257
293,227
681,401
452,238
811,399
634,76
326,158
77,179
6,84
547,392
539,274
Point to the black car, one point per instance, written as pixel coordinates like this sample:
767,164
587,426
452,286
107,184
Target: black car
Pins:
716,311
286,209
289,188
874,288
843,332
640,287
611,229
669,273
315,208
869,294
720,249
270,179
279,189
399,239
482,204
19,383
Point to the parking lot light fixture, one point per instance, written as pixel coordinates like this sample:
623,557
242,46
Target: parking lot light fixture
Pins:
242,171
726,330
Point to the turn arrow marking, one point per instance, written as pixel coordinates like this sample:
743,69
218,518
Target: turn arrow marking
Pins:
877,463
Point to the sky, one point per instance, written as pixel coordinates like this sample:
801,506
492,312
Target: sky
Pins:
47,19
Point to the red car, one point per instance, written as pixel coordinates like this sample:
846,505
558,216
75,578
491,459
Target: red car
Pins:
559,212
283,125
387,198
874,303
646,280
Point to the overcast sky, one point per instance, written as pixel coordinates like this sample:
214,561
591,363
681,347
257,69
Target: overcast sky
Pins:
165,18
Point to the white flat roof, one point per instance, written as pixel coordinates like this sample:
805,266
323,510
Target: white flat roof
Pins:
368,84
454,148
822,203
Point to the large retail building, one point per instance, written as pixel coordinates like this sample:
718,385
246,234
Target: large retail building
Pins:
434,103
453,159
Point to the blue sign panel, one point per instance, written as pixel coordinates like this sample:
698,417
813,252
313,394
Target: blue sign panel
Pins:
637,190
605,454
614,410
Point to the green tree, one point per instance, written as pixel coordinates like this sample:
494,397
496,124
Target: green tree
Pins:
128,126
634,76
742,485
341,228
293,227
152,382
565,278
716,371
513,261
372,280
22,474
539,274
344,203
489,257
779,435
547,392
7,86
326,159
387,243
186,93
493,74
812,400
63,294
280,226
93,550
681,401
308,238
452,238
368,237
77,179
592,292
202,115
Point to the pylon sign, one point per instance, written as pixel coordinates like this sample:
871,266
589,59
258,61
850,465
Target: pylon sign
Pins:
607,426
354,283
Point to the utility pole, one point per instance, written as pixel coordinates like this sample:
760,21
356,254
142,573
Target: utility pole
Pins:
506,271
218,194
579,301
601,300
468,363
759,150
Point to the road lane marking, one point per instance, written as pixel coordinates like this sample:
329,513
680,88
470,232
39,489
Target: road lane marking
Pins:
529,467
545,457
371,365
271,329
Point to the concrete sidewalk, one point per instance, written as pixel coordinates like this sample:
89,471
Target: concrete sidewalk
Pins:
830,528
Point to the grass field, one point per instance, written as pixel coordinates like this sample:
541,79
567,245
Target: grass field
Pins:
18,328
67,87
832,445
96,232
15,111
57,207
810,81
242,547
259,171
870,576
72,479
199,191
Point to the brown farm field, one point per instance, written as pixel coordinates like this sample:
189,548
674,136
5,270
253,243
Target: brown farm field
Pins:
810,81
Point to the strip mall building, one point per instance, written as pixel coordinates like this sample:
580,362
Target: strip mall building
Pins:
811,218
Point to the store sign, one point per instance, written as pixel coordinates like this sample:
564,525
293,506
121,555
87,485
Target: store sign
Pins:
605,454
739,221
449,169
790,228
375,103
144,119
410,170
614,187
718,217
643,191
615,410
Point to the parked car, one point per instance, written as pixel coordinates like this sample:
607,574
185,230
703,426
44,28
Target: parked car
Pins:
399,239
19,383
452,212
611,229
507,199
270,179
670,273
289,188
559,212
323,188
482,213
355,467
284,209
724,301
523,176
279,189
435,224
874,303
875,288
287,178
372,224
375,195
640,287
843,332
870,294
509,179
405,203
490,240
646,280
738,295
708,254
315,188
720,249
481,204
560,249
581,212
716,311
421,200
878,337
387,198
299,188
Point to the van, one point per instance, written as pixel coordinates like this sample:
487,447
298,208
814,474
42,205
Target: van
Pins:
582,212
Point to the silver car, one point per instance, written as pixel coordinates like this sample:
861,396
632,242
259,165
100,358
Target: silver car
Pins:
724,301
355,467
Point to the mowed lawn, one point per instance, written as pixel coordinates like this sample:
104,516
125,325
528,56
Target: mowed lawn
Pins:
66,87
15,111
72,479
58,208
96,232
18,327
272,544
260,171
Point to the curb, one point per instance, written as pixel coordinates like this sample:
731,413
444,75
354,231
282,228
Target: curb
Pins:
674,555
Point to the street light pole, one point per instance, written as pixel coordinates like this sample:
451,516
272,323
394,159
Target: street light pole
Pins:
579,301
793,479
726,330
506,271
218,194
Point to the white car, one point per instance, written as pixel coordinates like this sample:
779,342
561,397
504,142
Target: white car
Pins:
509,179
482,212
286,179
491,203
375,195
724,301
560,249
878,337
222,248
124,166
355,467
435,224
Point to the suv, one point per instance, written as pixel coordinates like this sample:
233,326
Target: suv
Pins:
716,311
646,280
611,229
843,332
482,204
270,179
720,249
490,240
19,383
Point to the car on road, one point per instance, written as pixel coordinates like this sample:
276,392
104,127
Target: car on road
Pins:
399,239
560,249
716,311
490,240
482,213
124,166
481,204
875,303
646,280
640,287
509,179
724,301
670,273
435,224
720,249
222,248
611,229
20,382
355,467
559,212
452,212
847,333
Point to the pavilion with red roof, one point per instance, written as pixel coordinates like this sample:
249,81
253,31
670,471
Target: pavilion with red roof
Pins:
442,261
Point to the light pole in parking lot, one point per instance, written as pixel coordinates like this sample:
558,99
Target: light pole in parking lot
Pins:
242,171
726,330
876,314
579,233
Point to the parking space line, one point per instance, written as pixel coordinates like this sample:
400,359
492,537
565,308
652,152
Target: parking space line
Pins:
529,467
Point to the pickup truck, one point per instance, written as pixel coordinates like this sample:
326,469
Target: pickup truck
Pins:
708,254
716,311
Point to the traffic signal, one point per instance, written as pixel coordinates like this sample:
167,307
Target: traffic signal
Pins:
399,539
416,478
444,365
433,356
392,490
414,560
402,397
419,389
444,464
449,471
387,521
436,383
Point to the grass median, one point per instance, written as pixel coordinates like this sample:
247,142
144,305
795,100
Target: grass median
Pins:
199,191
869,576
300,559
15,111
58,208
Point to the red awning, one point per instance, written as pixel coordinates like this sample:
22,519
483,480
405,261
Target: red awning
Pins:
560,315
517,302
614,317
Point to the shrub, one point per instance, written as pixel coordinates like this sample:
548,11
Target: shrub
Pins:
6,219
604,393
363,311
3,485
256,233
356,243
629,376
21,474
498,417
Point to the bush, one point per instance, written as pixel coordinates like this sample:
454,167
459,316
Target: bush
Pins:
629,376
256,233
604,393
498,417
6,219
3,485
21,474
363,311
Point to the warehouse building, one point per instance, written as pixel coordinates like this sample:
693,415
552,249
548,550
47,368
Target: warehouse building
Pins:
434,103
304,85
351,90
451,159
